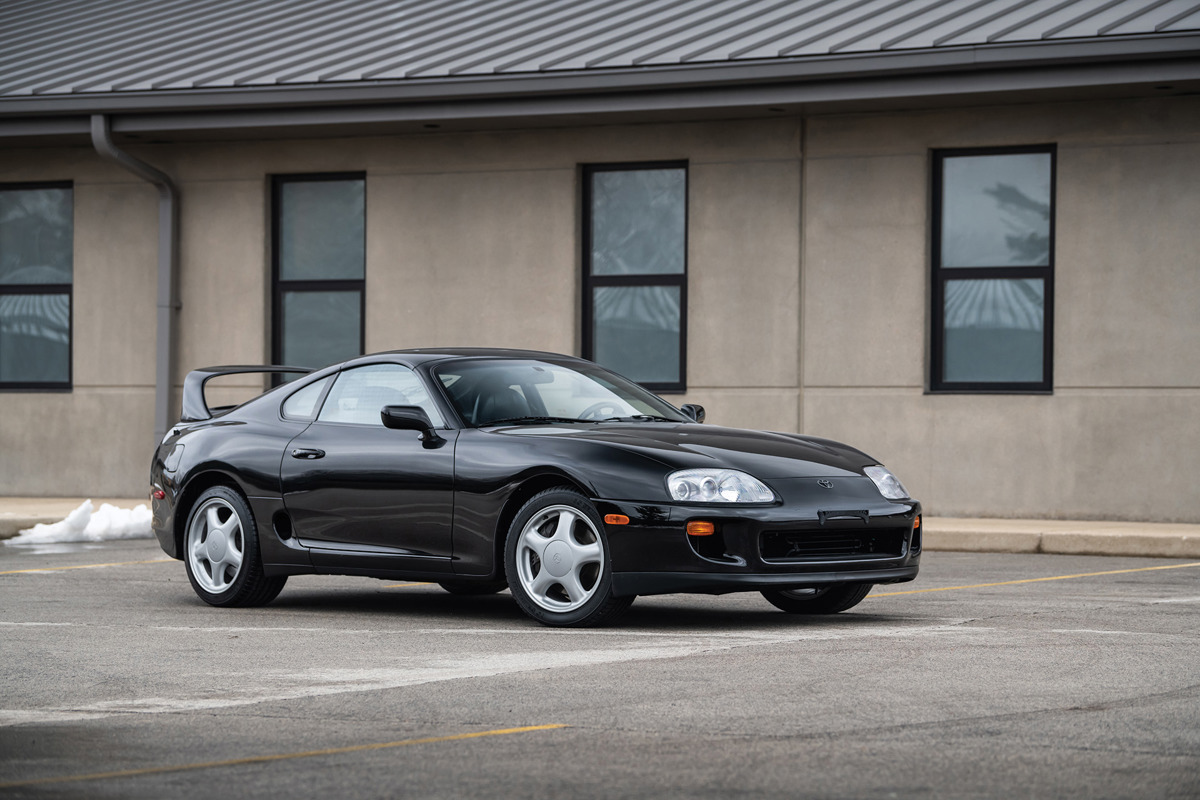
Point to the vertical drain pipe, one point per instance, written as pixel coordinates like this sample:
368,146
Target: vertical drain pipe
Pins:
168,259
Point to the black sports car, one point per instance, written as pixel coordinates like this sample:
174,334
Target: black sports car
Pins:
548,475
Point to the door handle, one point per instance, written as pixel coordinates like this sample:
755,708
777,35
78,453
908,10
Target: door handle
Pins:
305,452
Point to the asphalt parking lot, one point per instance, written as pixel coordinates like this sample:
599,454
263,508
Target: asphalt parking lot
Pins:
993,675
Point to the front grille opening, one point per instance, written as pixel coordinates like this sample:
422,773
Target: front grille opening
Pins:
832,544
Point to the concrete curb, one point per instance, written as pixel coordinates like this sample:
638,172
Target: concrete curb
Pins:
1066,537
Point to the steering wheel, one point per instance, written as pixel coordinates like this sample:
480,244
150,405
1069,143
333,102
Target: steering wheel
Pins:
608,407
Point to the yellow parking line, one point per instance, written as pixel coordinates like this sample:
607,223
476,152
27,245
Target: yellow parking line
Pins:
88,566
1038,580
235,762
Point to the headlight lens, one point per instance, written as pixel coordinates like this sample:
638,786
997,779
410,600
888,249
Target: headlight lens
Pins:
888,484
717,486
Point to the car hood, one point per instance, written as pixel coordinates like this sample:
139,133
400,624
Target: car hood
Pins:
763,454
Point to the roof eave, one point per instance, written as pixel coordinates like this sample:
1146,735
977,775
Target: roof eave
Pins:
937,72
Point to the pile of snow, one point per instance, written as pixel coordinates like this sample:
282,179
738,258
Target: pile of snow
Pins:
84,525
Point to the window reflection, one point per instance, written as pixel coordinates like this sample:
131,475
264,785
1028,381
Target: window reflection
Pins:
36,266
996,210
638,224
635,271
993,330
35,338
637,327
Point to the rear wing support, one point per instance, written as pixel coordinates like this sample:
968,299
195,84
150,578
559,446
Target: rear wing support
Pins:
195,407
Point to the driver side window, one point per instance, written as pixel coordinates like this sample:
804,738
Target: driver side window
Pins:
361,393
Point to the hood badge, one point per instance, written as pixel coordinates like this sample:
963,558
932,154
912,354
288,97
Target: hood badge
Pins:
828,484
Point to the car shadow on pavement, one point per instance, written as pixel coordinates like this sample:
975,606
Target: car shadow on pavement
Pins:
663,613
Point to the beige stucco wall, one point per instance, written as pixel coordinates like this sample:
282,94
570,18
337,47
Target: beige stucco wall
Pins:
808,289
1120,435
98,434
472,239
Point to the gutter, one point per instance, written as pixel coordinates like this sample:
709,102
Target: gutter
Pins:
1105,60
168,261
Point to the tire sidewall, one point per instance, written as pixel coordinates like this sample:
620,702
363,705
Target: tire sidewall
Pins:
600,598
232,595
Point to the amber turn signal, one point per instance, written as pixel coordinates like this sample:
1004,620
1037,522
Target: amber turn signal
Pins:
616,519
916,522
696,528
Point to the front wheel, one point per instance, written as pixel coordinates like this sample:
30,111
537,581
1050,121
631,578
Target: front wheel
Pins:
221,552
557,562
829,599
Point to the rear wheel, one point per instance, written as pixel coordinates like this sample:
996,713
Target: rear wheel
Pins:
221,552
558,564
828,599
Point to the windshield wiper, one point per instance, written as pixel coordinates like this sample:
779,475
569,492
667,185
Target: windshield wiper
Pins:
640,418
530,419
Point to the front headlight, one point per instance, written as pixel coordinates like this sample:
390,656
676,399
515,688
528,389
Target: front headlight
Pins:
717,486
888,484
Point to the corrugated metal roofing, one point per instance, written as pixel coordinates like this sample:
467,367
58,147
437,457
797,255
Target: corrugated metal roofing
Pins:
64,47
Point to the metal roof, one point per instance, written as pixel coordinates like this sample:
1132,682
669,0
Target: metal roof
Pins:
74,48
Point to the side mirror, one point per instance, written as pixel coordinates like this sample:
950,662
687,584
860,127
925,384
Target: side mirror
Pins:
696,412
411,418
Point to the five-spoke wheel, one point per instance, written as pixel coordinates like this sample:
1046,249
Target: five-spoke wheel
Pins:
558,564
221,552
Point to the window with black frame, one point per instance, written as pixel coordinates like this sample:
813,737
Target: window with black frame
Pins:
319,268
37,233
993,270
635,271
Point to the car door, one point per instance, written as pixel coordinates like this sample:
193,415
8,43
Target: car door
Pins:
354,487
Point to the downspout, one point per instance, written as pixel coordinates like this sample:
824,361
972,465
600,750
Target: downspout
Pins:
168,259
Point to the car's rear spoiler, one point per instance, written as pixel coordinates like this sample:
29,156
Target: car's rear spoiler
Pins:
195,408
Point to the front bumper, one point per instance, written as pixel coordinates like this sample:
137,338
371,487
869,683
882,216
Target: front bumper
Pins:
852,535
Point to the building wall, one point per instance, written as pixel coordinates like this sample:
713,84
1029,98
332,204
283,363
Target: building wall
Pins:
1120,435
472,239
808,289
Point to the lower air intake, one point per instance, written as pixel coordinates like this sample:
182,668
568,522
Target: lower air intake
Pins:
826,544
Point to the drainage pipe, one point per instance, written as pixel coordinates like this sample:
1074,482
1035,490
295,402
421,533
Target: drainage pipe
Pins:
168,259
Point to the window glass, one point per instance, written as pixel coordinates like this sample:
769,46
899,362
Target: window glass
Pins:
359,395
637,327
639,222
303,404
320,328
36,266
993,270
35,338
994,331
486,391
322,230
635,272
996,210
36,236
319,253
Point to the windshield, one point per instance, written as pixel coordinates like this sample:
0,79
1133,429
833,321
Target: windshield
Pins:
490,392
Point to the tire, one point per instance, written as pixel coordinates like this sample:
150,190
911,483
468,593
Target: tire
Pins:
560,526
473,587
221,552
829,599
